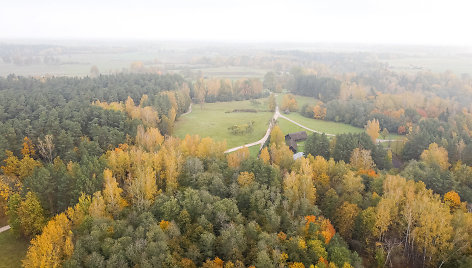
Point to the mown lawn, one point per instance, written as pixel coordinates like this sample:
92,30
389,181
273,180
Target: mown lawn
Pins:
213,121
323,126
289,127
12,250
254,150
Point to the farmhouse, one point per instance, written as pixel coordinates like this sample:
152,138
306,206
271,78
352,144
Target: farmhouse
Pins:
292,139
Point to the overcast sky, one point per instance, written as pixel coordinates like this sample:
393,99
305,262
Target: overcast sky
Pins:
433,22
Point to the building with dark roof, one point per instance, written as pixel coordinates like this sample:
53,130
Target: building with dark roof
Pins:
292,138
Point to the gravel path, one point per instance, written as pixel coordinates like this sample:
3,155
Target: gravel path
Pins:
277,114
189,110
4,228
266,136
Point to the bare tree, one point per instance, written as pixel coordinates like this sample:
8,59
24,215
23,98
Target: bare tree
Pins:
46,148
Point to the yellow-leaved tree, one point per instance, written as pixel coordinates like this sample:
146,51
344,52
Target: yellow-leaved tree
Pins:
299,188
277,136
143,187
151,139
53,246
373,129
345,217
436,155
98,208
119,161
320,171
319,111
452,199
31,215
361,159
171,161
245,178
112,193
19,168
236,158
28,148
289,103
264,155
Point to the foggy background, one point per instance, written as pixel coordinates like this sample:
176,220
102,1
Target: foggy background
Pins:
419,22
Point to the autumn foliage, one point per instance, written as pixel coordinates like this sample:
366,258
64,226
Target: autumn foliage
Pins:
436,155
53,246
373,129
289,103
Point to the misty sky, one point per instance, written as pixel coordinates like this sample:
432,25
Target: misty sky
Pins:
434,22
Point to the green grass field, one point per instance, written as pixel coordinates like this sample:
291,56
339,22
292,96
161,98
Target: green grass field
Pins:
12,250
329,127
212,121
323,126
288,127
301,100
254,150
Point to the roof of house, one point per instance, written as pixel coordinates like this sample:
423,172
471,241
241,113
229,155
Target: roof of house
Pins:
293,146
297,136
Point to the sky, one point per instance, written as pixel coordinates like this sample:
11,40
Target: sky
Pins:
415,22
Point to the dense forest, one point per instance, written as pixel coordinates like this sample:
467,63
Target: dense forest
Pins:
92,175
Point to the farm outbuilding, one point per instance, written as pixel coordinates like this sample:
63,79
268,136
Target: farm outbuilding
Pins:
292,139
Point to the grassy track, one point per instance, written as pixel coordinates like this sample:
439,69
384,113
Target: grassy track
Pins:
288,127
326,126
323,126
320,125
212,121
12,250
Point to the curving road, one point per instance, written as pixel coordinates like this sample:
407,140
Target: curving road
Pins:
266,136
188,111
319,132
277,114
302,126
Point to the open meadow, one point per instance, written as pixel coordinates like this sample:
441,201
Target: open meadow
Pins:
13,250
301,100
214,119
